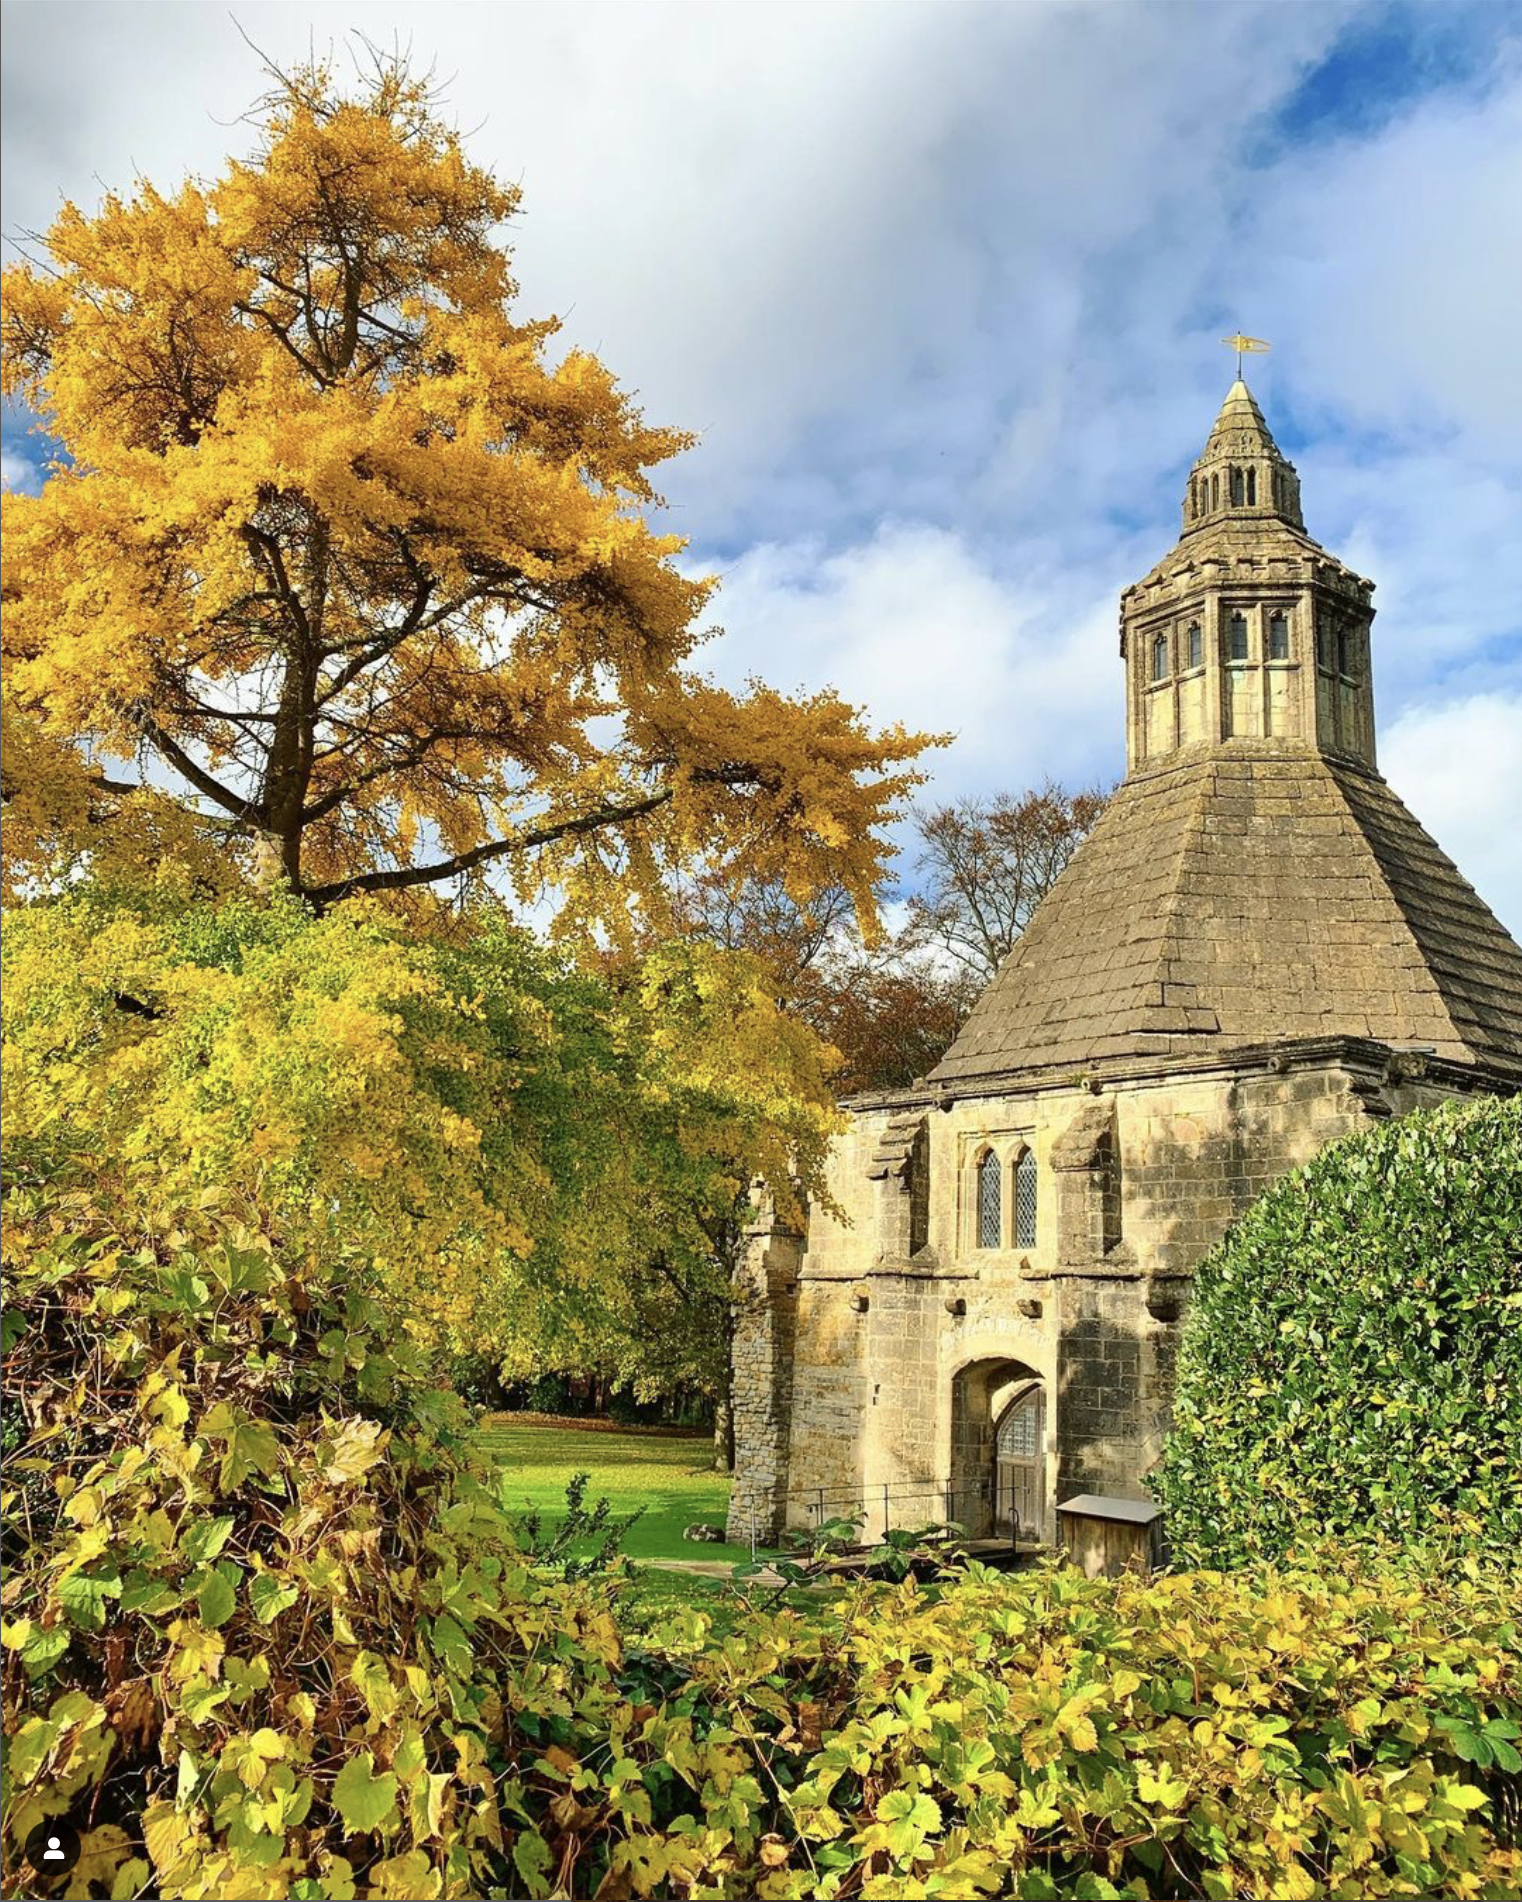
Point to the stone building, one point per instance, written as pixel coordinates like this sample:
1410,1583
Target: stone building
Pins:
1256,950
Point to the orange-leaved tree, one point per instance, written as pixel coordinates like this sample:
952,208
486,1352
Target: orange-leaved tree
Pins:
341,560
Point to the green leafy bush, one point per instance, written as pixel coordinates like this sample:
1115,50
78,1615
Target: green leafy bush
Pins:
1352,1361
271,1640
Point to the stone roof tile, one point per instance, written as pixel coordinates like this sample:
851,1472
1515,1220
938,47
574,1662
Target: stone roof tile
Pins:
1329,912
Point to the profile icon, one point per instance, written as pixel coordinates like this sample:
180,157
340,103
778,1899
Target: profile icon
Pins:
53,1847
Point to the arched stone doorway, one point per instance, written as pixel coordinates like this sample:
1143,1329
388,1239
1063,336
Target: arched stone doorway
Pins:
998,1485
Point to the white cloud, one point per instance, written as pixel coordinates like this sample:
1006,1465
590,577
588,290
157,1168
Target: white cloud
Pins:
17,473
913,626
1396,268
878,223
1458,766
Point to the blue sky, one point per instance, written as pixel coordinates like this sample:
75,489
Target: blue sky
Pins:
941,285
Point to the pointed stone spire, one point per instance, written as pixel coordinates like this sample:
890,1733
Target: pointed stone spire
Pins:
1241,473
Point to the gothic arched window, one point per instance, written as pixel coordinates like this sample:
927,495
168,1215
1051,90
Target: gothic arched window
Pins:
1252,488
1215,491
1160,658
1196,644
1025,1200
1347,651
1236,637
1278,635
1324,643
1236,488
990,1201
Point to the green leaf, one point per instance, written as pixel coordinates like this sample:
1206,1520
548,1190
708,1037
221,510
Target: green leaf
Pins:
451,1644
141,1591
270,1595
83,1598
43,1649
199,1699
12,1327
217,1594
532,1859
363,1799
131,1879
251,1448
202,1541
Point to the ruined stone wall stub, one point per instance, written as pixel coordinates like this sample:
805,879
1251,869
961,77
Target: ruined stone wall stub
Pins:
765,1336
828,1440
902,1369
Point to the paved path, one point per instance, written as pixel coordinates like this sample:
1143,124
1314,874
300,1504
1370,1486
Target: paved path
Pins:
710,1568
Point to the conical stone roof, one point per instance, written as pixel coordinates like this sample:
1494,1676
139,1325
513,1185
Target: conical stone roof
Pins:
1240,428
1261,891
1254,879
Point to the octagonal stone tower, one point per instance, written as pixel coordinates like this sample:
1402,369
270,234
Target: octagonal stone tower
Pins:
1257,949
1248,628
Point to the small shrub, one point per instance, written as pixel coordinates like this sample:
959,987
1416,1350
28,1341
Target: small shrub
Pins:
549,1393
582,1541
1352,1361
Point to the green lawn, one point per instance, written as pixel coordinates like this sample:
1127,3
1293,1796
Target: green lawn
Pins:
670,1476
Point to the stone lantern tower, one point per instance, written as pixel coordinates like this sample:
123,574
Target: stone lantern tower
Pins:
1248,629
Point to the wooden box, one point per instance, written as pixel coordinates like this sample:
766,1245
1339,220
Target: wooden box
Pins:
1104,1537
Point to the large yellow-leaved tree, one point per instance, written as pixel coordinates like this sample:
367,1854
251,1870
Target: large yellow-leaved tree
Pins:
349,567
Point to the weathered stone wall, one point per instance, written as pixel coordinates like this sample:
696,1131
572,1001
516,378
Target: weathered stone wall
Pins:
765,1333
864,1368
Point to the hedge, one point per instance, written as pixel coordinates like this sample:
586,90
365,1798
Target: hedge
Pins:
1351,1365
266,1637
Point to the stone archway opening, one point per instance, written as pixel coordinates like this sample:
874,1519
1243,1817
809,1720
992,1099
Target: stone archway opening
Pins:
998,1484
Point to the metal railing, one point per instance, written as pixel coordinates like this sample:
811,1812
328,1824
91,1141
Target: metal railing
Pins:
906,1505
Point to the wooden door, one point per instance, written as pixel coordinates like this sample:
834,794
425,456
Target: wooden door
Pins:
1020,1467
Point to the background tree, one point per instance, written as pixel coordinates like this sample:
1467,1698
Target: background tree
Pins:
891,1014
333,552
891,1005
985,865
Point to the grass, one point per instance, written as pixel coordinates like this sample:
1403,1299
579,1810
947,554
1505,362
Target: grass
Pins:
669,1475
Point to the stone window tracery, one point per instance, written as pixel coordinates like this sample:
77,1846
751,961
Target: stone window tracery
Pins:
1278,635
1160,657
1025,1200
990,1200
1236,636
1196,644
1252,488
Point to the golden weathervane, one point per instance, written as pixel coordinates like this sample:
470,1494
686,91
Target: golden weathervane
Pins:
1244,346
